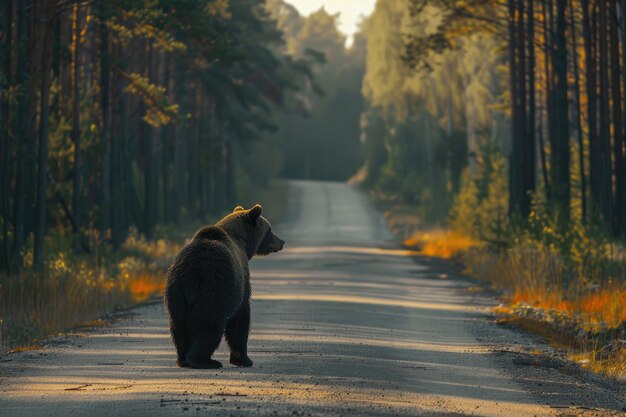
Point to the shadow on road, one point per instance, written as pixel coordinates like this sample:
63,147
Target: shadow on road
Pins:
344,322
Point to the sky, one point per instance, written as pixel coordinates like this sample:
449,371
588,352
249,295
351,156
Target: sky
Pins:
351,11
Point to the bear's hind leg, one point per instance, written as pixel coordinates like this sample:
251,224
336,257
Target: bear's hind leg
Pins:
237,331
204,344
182,345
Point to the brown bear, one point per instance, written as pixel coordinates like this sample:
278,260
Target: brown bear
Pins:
208,288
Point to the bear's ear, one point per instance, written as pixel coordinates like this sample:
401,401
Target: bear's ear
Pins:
255,212
238,208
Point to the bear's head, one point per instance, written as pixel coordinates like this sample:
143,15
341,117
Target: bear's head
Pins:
251,230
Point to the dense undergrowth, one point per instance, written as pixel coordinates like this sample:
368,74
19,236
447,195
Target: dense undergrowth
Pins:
568,284
73,289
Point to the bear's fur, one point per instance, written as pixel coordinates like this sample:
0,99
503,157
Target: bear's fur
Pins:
208,288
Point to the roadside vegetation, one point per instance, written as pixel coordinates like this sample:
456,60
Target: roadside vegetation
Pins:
495,139
79,290
74,290
566,285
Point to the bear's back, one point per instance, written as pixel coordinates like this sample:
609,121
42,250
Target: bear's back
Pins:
211,233
208,269
204,258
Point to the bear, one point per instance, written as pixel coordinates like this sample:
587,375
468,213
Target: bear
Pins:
207,292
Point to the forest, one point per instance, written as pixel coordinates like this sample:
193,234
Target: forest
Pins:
95,97
118,118
500,126
519,156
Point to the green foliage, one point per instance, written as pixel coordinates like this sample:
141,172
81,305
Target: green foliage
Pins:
434,122
142,22
373,131
480,209
585,253
159,111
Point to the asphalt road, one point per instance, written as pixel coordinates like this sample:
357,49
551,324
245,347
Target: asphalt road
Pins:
345,322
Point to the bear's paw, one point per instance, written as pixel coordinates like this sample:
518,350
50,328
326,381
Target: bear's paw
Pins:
242,361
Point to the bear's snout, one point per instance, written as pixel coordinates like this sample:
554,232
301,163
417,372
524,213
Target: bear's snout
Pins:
271,244
277,244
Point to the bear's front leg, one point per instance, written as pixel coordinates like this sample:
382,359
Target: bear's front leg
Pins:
237,331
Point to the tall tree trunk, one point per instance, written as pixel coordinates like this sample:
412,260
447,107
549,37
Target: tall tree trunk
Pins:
542,156
150,134
219,175
522,62
35,46
515,123
592,99
603,148
56,62
618,207
105,100
168,141
215,133
76,179
202,150
529,162
118,138
551,98
579,124
125,168
561,182
6,14
44,19
181,160
194,154
623,173
21,131
547,51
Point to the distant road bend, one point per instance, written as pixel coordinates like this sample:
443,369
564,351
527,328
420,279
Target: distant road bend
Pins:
345,322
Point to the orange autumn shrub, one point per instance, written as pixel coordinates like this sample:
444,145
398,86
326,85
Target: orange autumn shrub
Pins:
440,243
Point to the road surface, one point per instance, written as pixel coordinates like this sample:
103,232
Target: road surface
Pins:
345,322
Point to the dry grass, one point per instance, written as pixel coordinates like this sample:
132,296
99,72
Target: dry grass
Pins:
27,348
92,324
440,243
74,290
603,361
555,339
601,306
538,277
570,311
145,286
